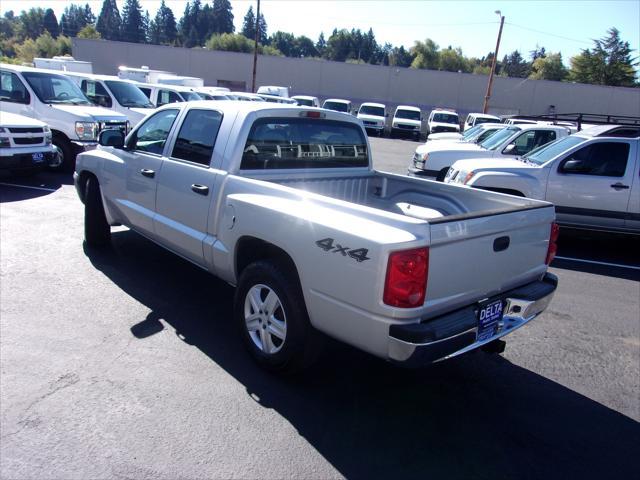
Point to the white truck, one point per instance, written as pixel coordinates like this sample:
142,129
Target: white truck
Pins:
433,159
109,91
307,100
592,177
407,120
441,120
25,144
160,95
474,119
56,100
475,134
373,117
283,203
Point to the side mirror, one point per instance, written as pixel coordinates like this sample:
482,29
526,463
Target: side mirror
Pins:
572,166
509,149
111,138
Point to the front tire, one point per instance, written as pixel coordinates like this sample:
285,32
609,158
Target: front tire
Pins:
442,174
65,155
97,232
270,312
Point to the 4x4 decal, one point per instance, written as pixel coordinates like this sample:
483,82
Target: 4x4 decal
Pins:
358,254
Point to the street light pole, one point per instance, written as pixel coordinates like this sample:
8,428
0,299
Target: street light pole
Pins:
485,106
255,50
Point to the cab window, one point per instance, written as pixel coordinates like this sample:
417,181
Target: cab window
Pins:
529,140
96,93
152,135
605,159
12,89
168,96
197,136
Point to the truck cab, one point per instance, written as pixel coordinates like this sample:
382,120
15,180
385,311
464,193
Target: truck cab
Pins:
58,101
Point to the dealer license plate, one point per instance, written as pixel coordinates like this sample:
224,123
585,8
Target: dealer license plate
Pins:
38,157
488,317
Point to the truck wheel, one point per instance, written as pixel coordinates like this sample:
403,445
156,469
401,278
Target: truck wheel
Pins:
65,157
269,309
97,232
442,174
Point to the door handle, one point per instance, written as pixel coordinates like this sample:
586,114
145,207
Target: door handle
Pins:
200,189
148,173
619,186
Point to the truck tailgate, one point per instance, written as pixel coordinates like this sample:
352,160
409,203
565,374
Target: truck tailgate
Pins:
477,257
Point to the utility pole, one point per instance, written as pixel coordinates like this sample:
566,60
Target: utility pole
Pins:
485,106
255,50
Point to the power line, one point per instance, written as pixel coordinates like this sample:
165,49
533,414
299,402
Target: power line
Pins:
548,33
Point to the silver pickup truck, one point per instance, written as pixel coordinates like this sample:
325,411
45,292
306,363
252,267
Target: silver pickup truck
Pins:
283,203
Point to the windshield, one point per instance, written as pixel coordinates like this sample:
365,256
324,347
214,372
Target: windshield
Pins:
304,143
551,150
55,89
190,96
369,110
494,141
480,120
408,114
471,132
128,95
337,106
445,118
307,102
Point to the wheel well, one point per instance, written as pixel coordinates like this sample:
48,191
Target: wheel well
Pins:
251,249
508,191
58,133
83,177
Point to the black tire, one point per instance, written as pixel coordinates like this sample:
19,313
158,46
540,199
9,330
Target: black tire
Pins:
66,152
301,343
442,174
97,232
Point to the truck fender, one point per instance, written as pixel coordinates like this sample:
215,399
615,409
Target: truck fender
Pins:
507,182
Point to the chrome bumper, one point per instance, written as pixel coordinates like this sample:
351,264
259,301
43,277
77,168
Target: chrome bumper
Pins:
456,333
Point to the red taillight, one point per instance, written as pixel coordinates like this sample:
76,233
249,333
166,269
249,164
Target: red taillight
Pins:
406,282
553,243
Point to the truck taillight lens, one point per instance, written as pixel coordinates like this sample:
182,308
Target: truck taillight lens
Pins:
406,282
553,243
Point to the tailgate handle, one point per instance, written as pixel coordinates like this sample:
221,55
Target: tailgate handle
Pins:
501,243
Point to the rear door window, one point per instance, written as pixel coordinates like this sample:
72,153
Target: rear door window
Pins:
197,136
168,96
96,93
304,143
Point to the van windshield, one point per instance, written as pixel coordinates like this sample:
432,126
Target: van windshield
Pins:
408,114
307,102
51,88
128,95
275,143
480,120
371,110
337,106
445,118
190,96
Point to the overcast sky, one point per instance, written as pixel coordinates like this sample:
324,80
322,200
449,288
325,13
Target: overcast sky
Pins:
565,26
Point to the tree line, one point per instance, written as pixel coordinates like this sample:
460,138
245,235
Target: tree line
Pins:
37,32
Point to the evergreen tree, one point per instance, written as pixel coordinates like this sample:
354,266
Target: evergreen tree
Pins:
285,42
133,23
321,44
109,23
400,57
262,25
249,24
223,16
51,23
75,18
513,65
304,47
163,28
537,52
189,24
31,23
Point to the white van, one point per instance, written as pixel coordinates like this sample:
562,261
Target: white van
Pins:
306,100
373,117
58,101
163,94
109,91
406,121
338,105
441,120
274,90
474,119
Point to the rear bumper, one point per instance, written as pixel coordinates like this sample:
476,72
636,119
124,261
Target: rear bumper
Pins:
455,333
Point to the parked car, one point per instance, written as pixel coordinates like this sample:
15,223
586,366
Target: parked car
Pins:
25,144
283,203
441,120
122,96
163,94
57,101
591,177
373,117
306,100
433,159
338,105
407,120
274,90
475,134
474,119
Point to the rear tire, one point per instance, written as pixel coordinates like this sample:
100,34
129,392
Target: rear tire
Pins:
97,232
270,312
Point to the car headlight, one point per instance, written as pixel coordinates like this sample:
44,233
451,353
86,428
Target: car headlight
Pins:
467,177
424,157
87,130
4,142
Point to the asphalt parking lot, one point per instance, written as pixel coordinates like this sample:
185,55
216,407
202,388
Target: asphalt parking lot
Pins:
123,363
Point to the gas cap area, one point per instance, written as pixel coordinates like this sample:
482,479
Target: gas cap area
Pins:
230,216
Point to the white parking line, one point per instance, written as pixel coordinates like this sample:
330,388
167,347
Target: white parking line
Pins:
28,186
618,265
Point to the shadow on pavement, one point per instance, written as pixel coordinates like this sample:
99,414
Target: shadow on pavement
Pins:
478,416
14,188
